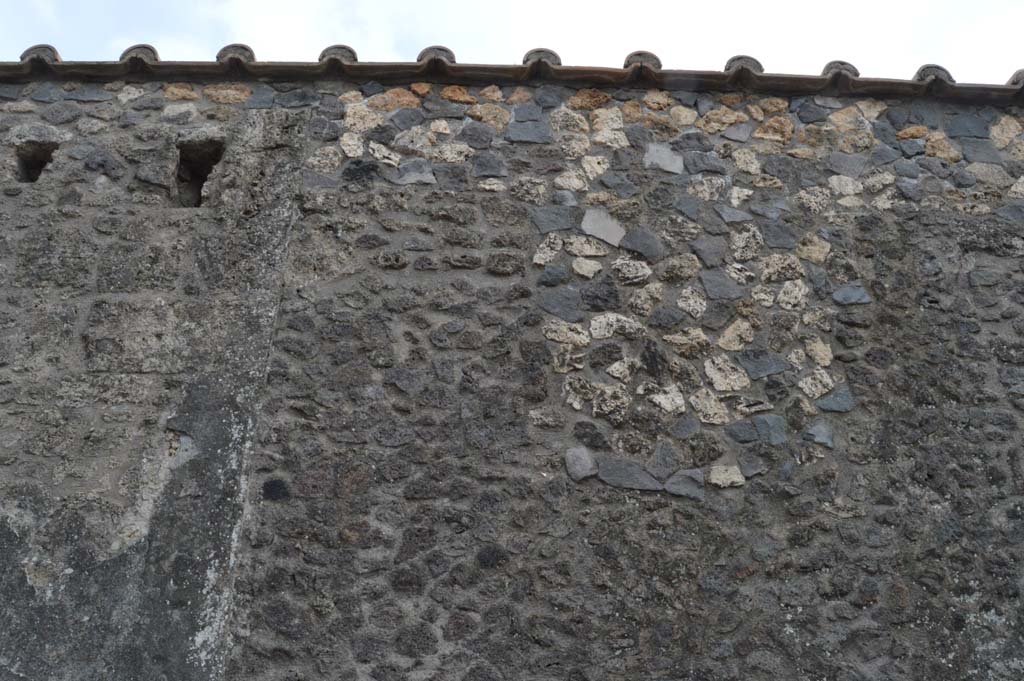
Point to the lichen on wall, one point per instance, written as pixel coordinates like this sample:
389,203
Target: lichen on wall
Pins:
508,382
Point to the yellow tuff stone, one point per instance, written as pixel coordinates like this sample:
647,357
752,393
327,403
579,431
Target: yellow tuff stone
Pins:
912,133
457,94
492,93
180,92
393,99
231,93
588,99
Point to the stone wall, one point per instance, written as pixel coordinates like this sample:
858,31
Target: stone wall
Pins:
430,381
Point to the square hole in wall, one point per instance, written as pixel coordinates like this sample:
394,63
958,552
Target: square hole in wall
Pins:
196,161
33,157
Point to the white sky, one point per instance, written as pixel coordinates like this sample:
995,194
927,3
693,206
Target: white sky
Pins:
978,41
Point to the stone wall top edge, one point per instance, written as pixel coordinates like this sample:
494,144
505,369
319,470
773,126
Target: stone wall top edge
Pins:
540,67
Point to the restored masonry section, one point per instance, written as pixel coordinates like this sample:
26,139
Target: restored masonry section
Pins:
434,371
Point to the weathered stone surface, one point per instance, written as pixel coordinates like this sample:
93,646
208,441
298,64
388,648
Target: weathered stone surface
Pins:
598,223
374,388
532,132
580,463
851,294
626,474
839,400
687,483
554,218
662,157
719,286
725,476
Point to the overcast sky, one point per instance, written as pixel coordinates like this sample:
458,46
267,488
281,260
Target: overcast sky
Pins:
978,41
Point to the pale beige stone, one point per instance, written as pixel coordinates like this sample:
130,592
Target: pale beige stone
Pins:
939,146
736,336
624,369
670,400
227,93
708,188
180,92
1005,130
585,246
779,267
746,160
393,99
457,94
90,126
616,139
725,476
774,105
588,269
746,243
610,324
679,268
793,295
573,145
520,95
588,98
692,302
351,144
845,186
724,375
817,384
763,295
658,100
682,116
453,152
361,118
708,407
689,343
871,108
566,358
386,156
567,120
913,132
819,351
776,129
595,166
813,249
737,195
630,271
578,391
717,120
990,173
643,301
876,182
563,332
492,93
129,93
548,250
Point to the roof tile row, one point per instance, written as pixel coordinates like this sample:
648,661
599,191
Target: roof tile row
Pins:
639,69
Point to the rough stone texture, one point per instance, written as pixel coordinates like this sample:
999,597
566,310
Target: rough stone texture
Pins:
570,384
